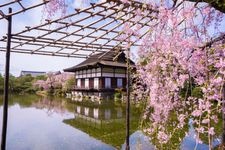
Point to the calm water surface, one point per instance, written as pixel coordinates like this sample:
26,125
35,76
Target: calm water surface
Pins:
40,123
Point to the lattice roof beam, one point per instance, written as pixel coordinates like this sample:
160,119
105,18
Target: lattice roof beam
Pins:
99,28
60,43
92,28
135,4
130,44
44,42
94,31
25,51
80,35
143,17
121,19
112,39
18,1
47,40
77,12
59,28
23,8
8,3
88,48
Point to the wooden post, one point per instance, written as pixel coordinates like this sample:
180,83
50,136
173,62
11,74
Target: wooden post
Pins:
6,83
128,102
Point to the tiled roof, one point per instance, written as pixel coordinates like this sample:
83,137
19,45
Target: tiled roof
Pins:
106,60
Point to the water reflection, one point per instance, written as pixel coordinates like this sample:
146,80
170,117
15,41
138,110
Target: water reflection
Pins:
50,105
37,123
105,122
189,142
139,141
53,123
97,112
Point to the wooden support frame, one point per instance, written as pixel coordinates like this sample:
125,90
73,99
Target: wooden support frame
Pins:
6,83
128,102
100,35
23,9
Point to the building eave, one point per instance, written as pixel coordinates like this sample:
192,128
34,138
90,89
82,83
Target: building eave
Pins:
96,64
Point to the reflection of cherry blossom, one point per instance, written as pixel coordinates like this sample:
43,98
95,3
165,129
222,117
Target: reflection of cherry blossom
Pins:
51,106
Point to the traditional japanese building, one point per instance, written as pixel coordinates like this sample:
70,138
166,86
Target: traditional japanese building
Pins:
32,73
100,77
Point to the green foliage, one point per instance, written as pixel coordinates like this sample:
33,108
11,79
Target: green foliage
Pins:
217,4
69,84
118,95
191,89
187,89
41,77
50,91
197,92
171,127
144,62
110,132
1,83
22,84
59,92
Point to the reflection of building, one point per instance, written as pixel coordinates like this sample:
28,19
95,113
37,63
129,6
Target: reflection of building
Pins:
32,73
103,122
100,77
98,115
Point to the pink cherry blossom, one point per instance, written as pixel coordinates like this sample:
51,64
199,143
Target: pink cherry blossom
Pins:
211,131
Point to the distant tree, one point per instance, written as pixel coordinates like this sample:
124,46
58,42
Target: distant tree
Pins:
39,85
21,84
41,77
56,82
69,84
1,83
12,82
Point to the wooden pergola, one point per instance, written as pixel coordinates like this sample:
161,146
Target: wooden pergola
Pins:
78,34
97,28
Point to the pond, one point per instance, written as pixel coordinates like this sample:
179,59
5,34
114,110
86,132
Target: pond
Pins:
36,123
41,123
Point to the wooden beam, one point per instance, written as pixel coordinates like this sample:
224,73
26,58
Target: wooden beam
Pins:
118,45
8,3
49,53
24,9
6,83
58,28
59,45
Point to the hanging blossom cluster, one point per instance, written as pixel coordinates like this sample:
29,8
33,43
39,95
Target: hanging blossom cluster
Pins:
177,53
60,7
55,6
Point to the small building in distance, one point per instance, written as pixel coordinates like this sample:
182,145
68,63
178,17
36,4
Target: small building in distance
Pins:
100,77
32,73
